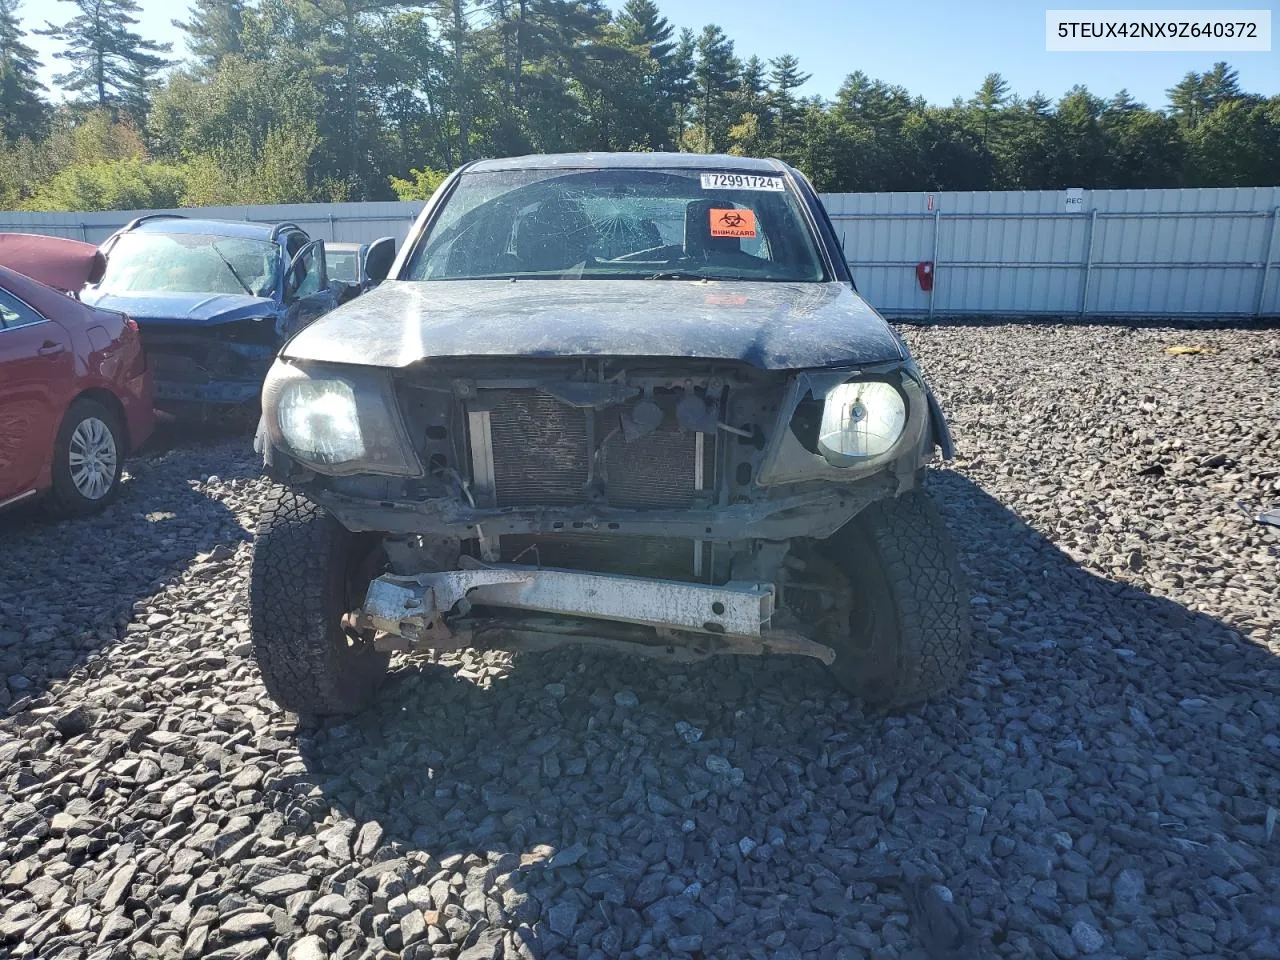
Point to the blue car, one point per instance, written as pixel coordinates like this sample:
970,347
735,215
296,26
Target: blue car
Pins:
214,300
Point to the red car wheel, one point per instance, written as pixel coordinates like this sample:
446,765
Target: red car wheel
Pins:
87,459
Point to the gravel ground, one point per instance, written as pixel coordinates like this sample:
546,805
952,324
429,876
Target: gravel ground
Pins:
1103,784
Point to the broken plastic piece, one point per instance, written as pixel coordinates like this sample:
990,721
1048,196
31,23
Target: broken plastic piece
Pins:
695,414
641,420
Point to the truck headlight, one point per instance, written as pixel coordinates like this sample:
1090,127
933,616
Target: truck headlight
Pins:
318,420
337,421
860,420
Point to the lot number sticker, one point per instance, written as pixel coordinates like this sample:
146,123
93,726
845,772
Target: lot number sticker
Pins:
733,223
741,181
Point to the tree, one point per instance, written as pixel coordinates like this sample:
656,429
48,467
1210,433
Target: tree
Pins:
988,105
108,61
453,15
1029,156
633,68
1082,147
1221,85
1236,145
1196,95
132,184
423,185
785,79
22,109
715,77
346,48
678,78
1144,148
214,30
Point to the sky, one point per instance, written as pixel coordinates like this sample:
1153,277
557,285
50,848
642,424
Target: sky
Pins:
938,49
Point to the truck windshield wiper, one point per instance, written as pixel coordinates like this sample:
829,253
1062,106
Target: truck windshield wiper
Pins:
676,275
239,279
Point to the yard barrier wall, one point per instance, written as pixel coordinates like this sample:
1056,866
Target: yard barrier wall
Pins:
1125,253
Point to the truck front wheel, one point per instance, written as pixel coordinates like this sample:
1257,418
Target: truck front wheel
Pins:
308,570
896,607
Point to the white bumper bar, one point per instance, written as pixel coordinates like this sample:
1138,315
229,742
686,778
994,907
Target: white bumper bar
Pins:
409,606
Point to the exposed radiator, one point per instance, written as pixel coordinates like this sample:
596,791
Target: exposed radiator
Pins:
654,471
541,452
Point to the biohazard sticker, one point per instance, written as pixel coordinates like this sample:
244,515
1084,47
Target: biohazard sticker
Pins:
733,223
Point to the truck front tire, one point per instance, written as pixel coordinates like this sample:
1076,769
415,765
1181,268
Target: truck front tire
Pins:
308,571
907,636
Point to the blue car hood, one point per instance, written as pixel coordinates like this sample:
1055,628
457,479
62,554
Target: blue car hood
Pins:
184,309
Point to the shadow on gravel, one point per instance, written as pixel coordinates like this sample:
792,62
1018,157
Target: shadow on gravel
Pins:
1103,765
69,587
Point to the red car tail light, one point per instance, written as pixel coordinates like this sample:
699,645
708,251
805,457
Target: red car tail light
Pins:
139,365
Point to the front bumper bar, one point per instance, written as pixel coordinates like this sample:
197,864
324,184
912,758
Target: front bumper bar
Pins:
411,606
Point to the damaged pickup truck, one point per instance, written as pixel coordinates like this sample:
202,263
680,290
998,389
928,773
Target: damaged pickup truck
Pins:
626,400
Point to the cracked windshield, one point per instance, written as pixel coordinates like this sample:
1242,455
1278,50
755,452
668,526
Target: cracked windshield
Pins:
190,263
619,225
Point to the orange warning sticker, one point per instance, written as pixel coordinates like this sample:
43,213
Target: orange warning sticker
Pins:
733,223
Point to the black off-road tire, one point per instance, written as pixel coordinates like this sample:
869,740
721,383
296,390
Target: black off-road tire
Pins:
910,636
305,576
65,499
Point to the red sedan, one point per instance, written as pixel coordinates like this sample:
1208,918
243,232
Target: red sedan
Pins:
75,394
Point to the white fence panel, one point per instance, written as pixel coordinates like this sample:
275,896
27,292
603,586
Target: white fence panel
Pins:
1208,253
350,222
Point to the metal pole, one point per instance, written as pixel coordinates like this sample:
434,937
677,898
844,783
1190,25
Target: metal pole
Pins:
1088,262
1266,262
937,226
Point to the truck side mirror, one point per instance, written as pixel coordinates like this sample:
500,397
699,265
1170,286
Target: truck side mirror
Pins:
378,259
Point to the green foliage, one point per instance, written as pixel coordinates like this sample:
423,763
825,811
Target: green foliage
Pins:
22,110
289,100
421,186
215,30
130,184
109,64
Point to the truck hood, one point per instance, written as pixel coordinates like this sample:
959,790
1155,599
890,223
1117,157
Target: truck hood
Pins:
183,309
773,326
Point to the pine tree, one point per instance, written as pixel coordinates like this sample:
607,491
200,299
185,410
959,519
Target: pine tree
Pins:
108,61
752,85
1188,99
678,78
988,103
647,39
215,29
1221,85
716,78
642,25
785,79
22,110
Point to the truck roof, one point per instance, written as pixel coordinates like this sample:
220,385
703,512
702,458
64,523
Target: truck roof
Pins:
636,161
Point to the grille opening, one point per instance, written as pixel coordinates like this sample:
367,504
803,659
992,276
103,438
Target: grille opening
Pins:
547,453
